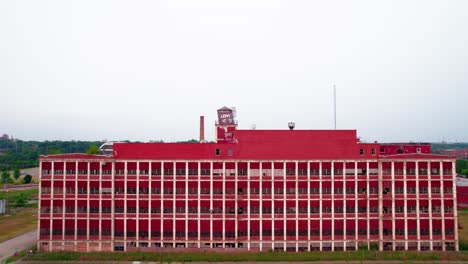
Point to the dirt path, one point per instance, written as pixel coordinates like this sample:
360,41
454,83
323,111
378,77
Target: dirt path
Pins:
20,242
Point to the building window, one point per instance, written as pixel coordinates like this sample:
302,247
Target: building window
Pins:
279,210
373,152
218,152
338,209
266,210
229,152
424,209
399,209
361,151
168,191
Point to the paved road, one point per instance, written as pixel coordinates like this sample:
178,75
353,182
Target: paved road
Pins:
20,242
19,187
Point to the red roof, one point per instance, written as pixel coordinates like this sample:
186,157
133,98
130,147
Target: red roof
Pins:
255,145
75,156
423,156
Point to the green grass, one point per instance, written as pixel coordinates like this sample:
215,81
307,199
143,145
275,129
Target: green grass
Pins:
12,195
248,257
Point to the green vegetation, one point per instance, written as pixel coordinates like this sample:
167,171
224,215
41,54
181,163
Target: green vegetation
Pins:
93,149
16,174
25,154
463,231
6,177
250,257
462,167
20,198
27,179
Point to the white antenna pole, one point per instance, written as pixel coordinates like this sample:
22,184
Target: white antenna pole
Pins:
334,99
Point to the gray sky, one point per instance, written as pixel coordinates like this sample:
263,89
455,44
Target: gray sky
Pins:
146,70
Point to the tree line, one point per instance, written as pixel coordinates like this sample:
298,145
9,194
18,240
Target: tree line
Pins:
21,154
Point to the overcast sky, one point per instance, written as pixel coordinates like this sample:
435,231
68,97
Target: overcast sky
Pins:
146,70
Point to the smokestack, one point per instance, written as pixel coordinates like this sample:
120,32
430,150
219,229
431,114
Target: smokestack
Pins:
202,129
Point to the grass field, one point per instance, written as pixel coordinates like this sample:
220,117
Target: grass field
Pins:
251,257
17,222
463,230
29,196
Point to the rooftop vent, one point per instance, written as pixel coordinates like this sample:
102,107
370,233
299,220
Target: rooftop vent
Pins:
291,125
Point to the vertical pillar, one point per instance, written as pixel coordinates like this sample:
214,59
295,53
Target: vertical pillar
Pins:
356,207
198,204
272,206
64,207
39,204
162,206
52,176
284,207
261,206
368,203
380,207
405,200
442,205
186,203
174,193
211,204
393,206
125,205
308,205
87,204
344,206
100,205
320,206
150,203
297,204
236,204
75,236
224,204
418,226
429,191
455,209
333,205
112,204
137,231
248,206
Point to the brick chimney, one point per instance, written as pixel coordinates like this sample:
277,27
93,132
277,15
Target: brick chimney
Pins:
202,129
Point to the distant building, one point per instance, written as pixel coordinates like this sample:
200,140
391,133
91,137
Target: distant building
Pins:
253,190
461,153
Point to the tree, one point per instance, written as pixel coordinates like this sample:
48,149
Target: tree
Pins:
52,151
464,172
93,149
20,201
16,173
5,176
27,178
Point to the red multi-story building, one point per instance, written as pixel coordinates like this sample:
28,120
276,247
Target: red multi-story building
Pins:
254,190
